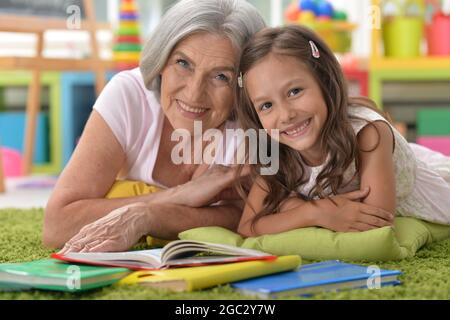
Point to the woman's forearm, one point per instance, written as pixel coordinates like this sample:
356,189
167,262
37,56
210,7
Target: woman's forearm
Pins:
63,221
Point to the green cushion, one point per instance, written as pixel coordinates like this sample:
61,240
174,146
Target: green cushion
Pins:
390,243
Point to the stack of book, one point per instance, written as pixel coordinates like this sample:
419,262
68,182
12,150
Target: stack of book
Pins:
192,265
181,265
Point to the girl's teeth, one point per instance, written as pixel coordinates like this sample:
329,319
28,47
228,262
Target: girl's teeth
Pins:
192,110
300,129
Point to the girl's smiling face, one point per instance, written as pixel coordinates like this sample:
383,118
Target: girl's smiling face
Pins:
287,97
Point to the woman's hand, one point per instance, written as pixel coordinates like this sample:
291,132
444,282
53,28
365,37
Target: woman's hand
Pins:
349,215
118,231
214,185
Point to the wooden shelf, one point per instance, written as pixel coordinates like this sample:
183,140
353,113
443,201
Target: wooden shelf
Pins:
41,24
24,63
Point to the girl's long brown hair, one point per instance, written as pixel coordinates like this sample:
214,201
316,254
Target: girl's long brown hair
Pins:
337,138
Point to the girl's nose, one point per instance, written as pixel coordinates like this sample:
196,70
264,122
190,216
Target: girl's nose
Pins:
287,114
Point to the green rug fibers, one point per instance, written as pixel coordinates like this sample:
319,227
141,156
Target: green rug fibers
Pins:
426,276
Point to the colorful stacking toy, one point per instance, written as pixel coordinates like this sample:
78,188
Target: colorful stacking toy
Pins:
320,15
127,48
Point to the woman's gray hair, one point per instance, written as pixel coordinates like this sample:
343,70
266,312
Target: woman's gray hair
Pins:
236,19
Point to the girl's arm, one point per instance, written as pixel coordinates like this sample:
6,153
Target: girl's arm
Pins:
349,215
377,166
290,218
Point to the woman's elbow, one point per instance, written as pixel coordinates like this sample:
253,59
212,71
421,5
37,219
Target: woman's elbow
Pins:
51,229
49,241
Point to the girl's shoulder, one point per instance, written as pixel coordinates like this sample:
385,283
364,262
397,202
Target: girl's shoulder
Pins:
361,116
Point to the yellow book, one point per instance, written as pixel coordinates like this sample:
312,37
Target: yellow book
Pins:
197,278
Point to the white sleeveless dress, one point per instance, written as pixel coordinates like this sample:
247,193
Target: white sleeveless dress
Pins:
422,175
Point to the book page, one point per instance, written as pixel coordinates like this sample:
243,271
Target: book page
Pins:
151,258
182,249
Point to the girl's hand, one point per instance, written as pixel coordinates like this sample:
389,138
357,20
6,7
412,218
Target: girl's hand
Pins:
118,231
291,203
214,185
295,202
357,195
352,216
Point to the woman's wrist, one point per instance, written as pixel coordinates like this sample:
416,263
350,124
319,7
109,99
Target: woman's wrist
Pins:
145,220
163,196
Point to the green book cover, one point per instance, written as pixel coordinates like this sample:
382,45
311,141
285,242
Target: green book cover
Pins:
51,274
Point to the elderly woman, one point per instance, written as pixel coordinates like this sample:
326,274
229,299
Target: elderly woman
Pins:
188,73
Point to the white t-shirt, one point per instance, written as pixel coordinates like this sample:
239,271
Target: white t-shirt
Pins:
135,117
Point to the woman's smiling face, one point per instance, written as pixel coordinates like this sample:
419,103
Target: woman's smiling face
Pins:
198,82
287,97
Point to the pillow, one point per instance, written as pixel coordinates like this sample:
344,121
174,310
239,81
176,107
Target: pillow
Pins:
389,243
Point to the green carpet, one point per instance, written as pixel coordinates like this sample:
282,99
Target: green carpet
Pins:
425,276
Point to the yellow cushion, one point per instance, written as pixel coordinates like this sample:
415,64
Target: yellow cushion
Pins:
127,189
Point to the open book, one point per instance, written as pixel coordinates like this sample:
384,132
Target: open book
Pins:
180,253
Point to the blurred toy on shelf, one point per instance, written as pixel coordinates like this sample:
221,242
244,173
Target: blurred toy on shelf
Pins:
12,162
407,23
438,27
433,130
128,46
356,72
292,13
349,61
403,26
320,15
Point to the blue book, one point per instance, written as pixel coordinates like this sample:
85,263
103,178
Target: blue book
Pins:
318,277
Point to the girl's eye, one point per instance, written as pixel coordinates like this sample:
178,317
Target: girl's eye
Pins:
294,92
265,106
183,63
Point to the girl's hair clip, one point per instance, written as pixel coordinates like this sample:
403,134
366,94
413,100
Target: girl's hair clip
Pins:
314,49
241,80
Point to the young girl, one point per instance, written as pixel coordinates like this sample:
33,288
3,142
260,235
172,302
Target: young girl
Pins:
331,146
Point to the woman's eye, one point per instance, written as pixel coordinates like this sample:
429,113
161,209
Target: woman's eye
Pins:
294,92
265,106
222,77
183,63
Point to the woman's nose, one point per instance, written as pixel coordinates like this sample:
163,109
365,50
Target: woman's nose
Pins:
195,88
